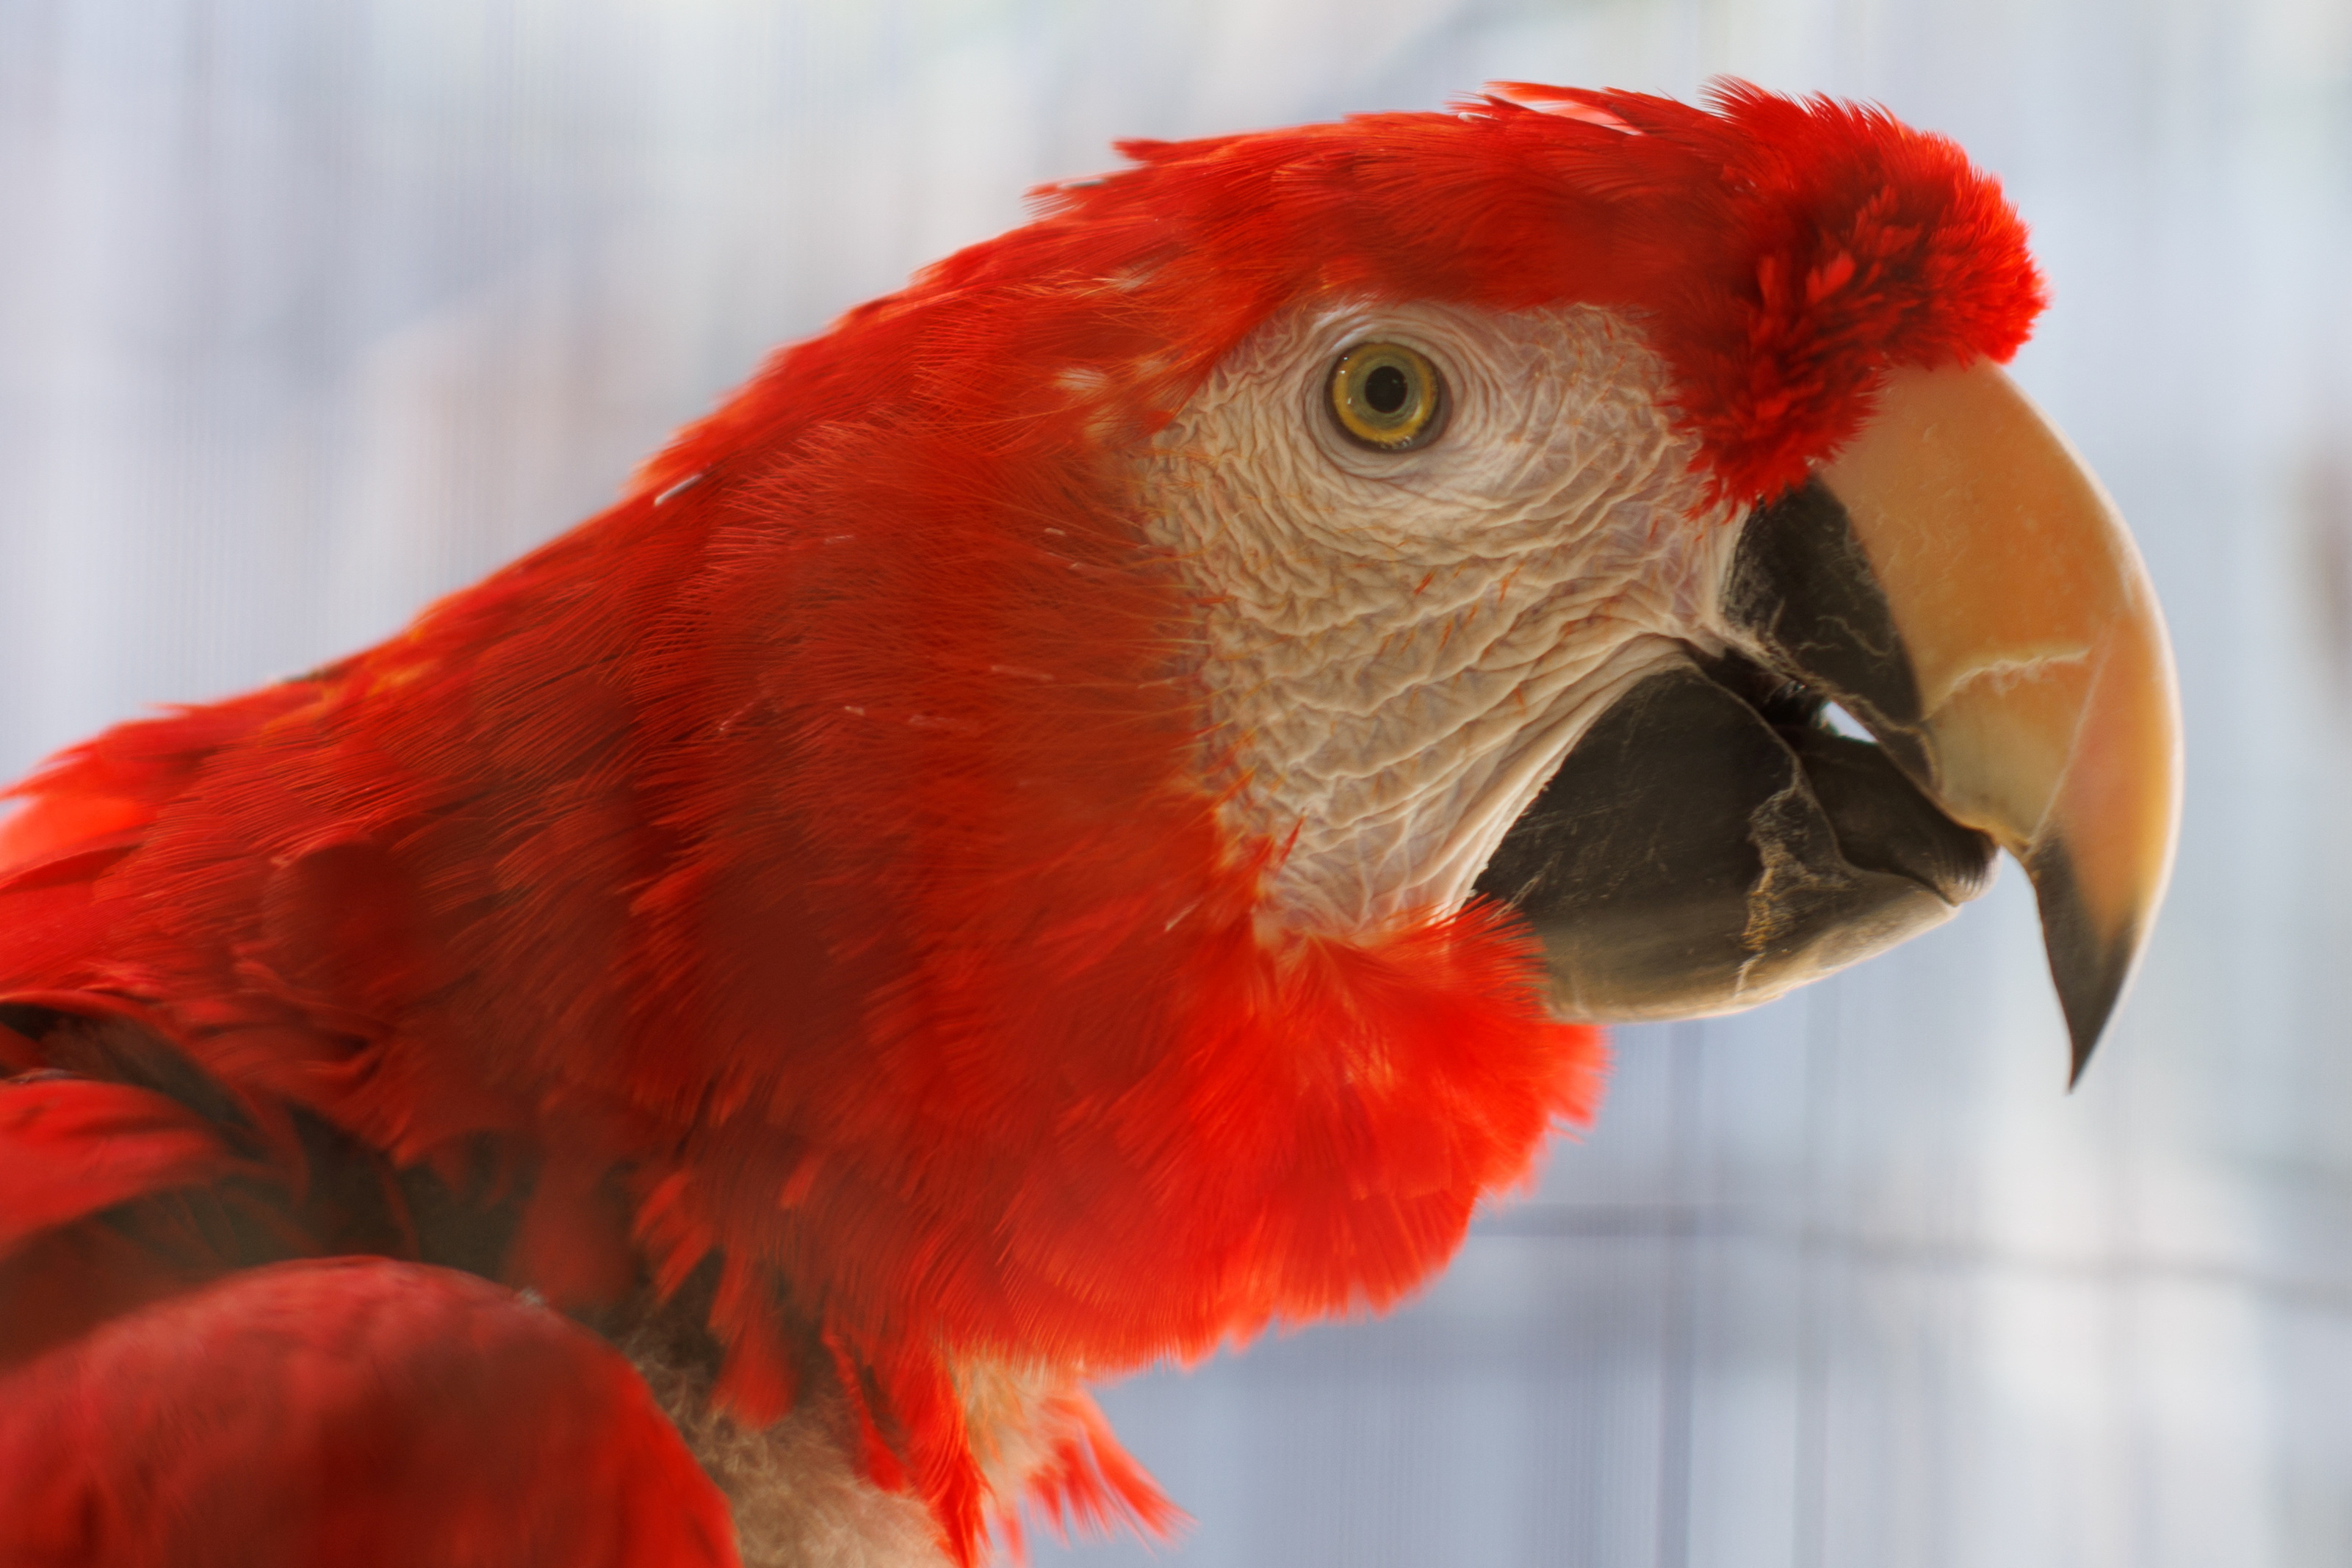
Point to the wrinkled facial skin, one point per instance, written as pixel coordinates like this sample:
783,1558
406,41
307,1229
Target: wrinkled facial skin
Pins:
1399,648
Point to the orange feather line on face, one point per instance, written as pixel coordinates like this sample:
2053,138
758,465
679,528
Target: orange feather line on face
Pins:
834,827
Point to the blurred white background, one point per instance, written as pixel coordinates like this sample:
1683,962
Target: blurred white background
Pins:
311,309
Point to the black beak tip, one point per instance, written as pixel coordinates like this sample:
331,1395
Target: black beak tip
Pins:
2085,1021
2089,967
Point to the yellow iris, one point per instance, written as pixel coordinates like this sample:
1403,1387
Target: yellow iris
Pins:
1388,396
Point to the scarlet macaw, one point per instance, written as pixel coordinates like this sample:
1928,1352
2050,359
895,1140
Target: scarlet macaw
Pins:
1091,808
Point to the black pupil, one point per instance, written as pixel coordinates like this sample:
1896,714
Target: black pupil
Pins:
1385,388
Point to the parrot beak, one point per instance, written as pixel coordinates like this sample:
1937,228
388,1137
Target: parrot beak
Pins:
1956,581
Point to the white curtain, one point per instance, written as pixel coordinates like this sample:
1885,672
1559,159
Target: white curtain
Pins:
311,309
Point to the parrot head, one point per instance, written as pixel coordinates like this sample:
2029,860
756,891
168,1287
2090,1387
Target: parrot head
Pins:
1537,590
1495,605
1094,804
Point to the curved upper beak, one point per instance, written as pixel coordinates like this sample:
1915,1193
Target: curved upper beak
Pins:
2042,707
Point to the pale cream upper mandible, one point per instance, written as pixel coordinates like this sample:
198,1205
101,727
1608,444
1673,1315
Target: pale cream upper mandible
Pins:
1398,648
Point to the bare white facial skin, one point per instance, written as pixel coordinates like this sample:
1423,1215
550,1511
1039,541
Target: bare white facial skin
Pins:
1400,647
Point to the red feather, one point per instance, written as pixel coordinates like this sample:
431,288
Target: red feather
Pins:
69,1149
357,1412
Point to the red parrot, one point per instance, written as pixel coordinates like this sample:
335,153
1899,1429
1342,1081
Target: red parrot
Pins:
1092,807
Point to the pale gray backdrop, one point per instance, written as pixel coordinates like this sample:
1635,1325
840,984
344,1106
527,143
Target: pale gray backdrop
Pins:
310,310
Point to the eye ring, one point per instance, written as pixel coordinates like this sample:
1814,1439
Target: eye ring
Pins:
1387,396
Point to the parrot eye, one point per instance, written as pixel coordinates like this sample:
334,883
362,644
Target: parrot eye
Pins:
1388,397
